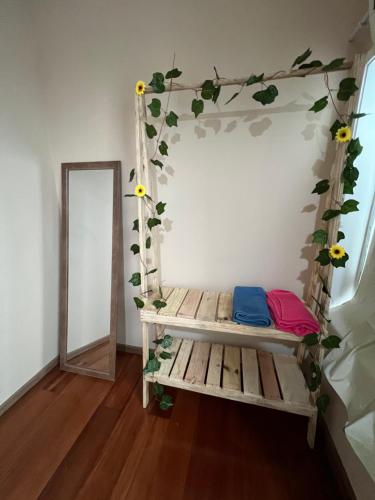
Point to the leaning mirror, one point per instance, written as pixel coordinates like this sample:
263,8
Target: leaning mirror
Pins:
91,259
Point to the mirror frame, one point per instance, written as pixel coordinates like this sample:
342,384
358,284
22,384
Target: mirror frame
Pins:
116,272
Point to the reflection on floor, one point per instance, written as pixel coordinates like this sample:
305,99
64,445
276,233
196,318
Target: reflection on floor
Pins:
96,358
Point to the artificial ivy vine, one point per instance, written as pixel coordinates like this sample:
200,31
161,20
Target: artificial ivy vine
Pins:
341,132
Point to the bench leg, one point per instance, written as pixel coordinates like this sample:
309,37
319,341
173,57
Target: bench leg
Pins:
145,354
311,430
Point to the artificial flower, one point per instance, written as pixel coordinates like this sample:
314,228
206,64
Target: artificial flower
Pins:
344,134
139,190
336,252
140,87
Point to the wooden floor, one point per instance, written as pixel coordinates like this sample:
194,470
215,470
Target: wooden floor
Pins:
74,437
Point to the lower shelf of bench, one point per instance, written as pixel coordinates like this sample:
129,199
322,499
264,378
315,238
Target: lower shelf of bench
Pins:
238,373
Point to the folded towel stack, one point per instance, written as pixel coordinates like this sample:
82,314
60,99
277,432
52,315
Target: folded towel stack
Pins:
250,306
290,313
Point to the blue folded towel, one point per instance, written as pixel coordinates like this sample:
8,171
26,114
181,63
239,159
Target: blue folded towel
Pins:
250,306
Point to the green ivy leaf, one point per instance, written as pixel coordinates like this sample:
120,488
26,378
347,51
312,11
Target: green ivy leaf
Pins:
165,342
158,389
336,63
233,97
135,280
171,119
216,94
136,225
311,339
160,208
302,58
321,186
340,236
163,148
166,402
152,222
150,131
159,303
323,257
266,96
350,173
148,242
335,127
354,148
319,104
349,187
158,163
330,214
347,88
197,107
356,116
340,262
152,271
132,174
254,79
157,83
173,73
349,206
155,107
208,89
152,365
320,236
166,355
316,377
331,342
151,354
322,402
312,64
138,302
134,248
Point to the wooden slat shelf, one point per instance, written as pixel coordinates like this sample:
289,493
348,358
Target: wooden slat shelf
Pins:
241,374
205,310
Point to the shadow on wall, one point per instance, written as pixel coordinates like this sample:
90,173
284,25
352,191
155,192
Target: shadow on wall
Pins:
260,123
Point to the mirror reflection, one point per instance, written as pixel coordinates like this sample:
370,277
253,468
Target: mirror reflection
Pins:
89,226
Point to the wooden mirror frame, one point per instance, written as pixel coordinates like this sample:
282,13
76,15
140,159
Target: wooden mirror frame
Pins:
116,273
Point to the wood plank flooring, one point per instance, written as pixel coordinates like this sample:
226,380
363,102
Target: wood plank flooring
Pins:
75,437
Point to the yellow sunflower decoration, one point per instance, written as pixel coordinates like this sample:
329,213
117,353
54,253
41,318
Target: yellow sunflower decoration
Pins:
344,134
140,87
336,252
139,190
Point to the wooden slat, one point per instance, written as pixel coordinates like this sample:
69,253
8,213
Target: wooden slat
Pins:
179,367
291,379
208,307
268,375
250,371
190,305
196,372
174,302
166,364
218,326
214,366
224,309
232,368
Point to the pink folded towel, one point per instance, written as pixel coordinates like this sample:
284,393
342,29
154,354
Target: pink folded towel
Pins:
290,313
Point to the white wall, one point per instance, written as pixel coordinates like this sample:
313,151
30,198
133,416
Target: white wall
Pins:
28,210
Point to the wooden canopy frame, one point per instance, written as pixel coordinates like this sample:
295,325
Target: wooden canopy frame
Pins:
274,381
